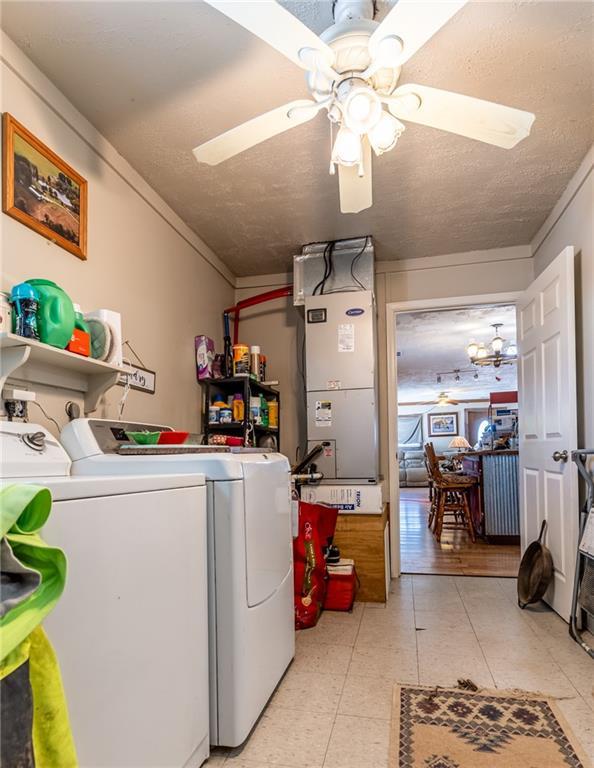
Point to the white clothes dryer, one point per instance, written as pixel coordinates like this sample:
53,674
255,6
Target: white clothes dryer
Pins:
250,579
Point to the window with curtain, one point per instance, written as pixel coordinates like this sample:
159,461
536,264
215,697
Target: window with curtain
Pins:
410,431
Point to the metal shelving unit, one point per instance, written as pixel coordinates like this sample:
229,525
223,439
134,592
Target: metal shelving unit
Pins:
247,387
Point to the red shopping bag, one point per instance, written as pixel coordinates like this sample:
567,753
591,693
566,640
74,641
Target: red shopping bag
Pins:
316,525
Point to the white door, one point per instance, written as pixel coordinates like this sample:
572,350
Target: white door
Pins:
548,421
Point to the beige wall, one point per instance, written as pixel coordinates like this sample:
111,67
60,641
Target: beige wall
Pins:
142,260
572,223
441,444
465,274
277,327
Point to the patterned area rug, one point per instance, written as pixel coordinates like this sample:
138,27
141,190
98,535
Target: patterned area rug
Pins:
452,728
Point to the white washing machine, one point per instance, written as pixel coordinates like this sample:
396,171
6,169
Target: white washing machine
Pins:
251,622
130,629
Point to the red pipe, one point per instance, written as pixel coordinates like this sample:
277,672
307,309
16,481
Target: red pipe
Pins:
252,301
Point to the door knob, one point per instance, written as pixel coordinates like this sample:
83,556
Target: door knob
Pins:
560,456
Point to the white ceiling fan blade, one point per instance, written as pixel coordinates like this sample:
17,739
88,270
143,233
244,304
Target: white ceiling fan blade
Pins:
276,26
255,131
474,118
414,22
355,191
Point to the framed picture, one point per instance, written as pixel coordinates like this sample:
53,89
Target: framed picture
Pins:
443,424
42,191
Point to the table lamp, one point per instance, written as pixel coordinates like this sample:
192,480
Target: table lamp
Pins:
461,443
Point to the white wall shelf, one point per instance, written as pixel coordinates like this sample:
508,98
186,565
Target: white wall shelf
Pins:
36,363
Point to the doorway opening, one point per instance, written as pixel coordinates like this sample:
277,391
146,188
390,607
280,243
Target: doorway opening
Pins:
456,453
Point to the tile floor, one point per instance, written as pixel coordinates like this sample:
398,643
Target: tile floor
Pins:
332,709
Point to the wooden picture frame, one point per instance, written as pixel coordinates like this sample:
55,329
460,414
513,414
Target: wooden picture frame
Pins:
443,424
42,191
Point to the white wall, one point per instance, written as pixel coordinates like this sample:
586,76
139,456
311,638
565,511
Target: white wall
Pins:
572,223
142,259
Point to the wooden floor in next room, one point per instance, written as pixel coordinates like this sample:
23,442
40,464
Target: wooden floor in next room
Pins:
455,555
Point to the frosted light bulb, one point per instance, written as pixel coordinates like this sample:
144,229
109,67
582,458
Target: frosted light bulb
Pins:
362,109
497,344
385,134
481,352
347,147
472,349
359,107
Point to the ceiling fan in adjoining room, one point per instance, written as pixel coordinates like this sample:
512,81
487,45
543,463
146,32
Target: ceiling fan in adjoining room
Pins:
353,70
444,399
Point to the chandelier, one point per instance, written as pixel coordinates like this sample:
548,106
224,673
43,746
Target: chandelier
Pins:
499,352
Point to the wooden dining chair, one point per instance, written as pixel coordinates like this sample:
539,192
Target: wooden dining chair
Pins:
450,498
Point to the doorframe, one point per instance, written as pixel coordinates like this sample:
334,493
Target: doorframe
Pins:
393,309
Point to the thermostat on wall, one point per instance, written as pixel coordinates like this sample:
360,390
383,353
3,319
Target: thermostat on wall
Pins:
317,315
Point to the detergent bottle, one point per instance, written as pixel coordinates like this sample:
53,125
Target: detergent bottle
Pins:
25,303
55,315
238,408
80,342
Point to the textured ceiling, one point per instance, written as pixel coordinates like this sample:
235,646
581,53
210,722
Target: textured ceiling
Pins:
158,78
435,342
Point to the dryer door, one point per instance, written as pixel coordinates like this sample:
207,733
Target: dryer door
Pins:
268,541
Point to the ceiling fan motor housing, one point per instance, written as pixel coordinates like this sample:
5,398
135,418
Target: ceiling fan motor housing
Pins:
350,42
349,10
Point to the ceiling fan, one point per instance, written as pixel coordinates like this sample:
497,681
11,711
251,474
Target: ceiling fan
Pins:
444,399
352,72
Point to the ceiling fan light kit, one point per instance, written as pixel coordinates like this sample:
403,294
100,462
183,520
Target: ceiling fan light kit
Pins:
385,134
352,71
347,149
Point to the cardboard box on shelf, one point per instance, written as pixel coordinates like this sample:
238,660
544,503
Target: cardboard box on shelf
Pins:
350,499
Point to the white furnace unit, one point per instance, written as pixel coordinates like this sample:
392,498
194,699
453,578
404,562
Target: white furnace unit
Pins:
342,402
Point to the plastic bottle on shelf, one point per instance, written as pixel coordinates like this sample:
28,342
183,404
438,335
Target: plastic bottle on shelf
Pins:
273,413
262,367
255,362
24,300
238,408
255,410
80,341
263,411
241,360
55,314
213,414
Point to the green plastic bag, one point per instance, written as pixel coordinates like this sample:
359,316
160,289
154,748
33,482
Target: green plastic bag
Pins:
24,510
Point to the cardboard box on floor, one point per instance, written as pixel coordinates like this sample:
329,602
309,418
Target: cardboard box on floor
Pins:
350,499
